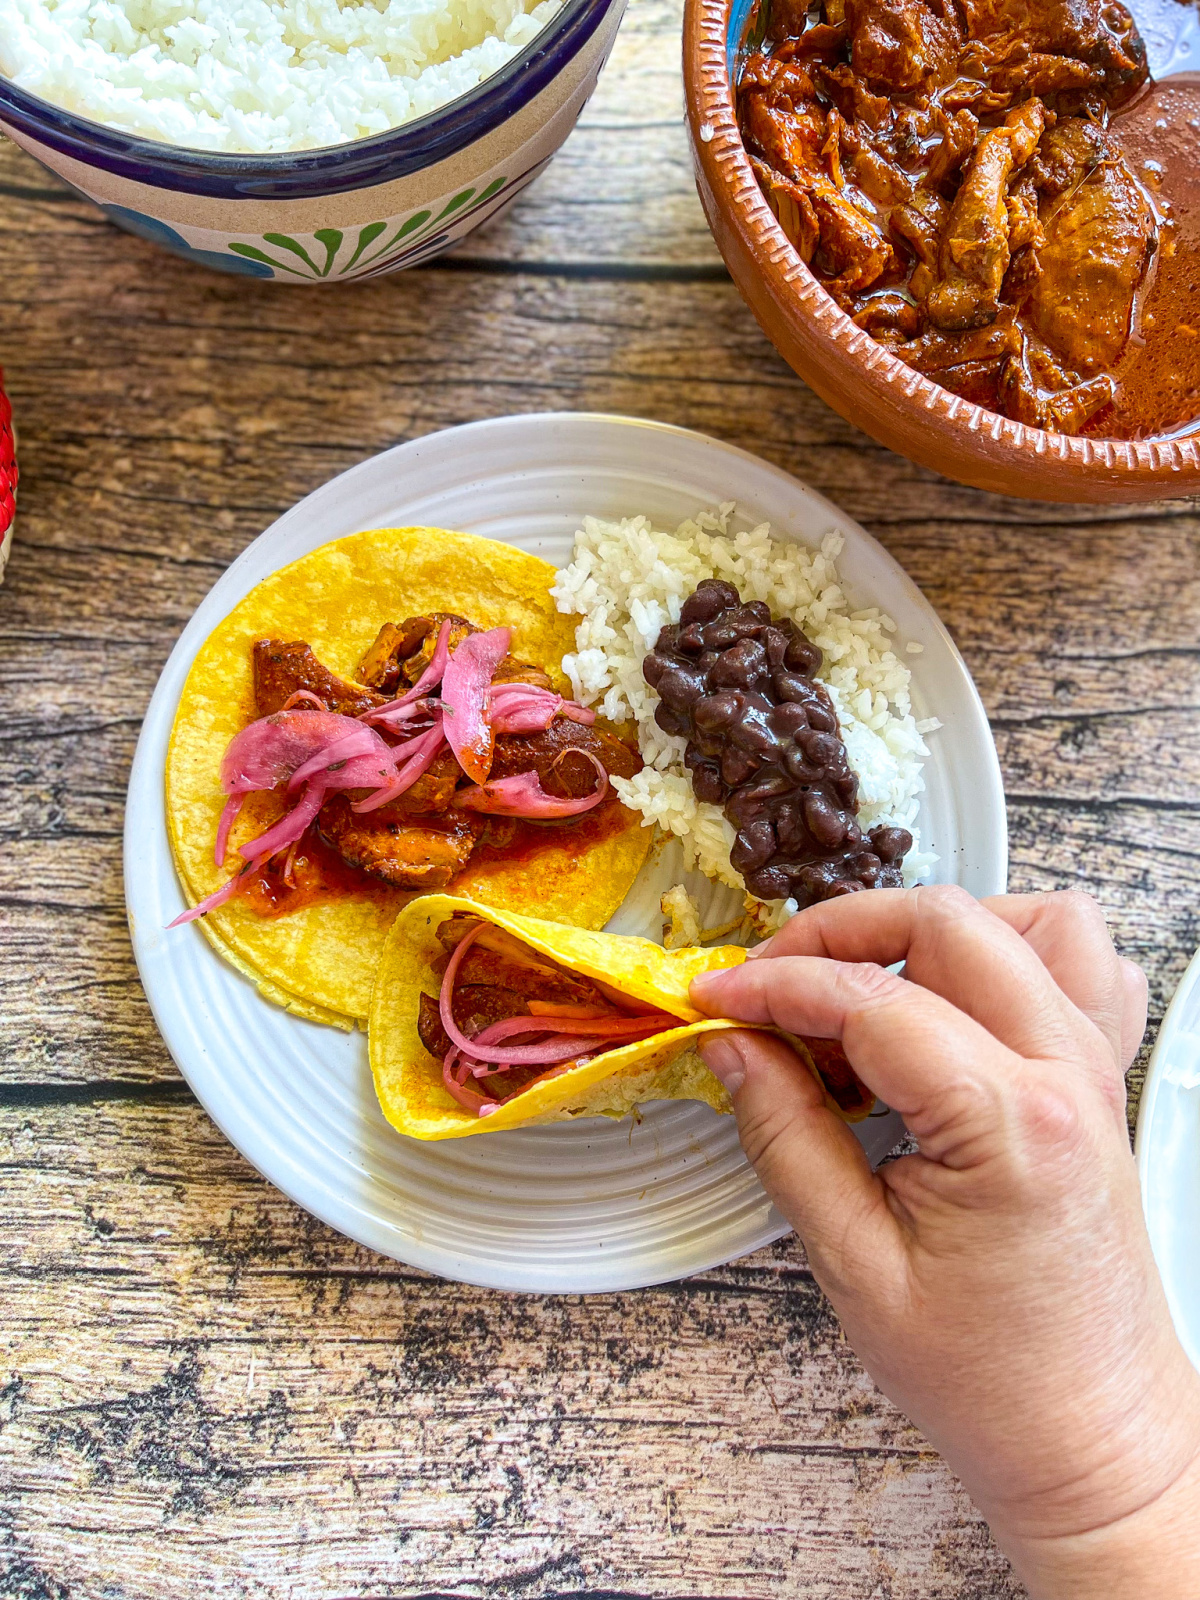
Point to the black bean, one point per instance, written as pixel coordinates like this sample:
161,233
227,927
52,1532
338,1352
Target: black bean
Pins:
866,868
751,798
753,847
889,844
789,720
814,880
713,713
845,785
789,686
721,634
789,826
740,667
671,721
801,769
679,688
802,655
707,600
775,642
653,667
754,734
763,741
748,622
707,783
769,883
823,820
822,749
736,766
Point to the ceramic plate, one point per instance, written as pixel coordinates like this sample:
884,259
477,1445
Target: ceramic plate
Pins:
1168,1156
594,1205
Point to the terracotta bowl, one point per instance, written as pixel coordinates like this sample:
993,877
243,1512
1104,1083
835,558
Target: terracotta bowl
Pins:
858,377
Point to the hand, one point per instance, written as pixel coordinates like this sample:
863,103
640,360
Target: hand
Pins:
999,1286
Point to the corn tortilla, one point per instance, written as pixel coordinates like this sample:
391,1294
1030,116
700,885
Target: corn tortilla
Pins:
319,961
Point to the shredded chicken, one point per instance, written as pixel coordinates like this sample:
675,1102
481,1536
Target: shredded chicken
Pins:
945,169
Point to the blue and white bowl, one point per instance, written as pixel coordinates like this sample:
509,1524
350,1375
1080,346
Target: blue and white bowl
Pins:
350,211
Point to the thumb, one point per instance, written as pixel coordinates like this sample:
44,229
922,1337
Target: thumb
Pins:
814,1169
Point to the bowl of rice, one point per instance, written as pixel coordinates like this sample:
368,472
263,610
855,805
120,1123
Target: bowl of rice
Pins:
305,141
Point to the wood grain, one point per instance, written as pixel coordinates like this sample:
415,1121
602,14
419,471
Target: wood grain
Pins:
397,1435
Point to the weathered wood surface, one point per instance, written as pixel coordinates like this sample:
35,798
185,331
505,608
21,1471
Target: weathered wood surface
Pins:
204,1391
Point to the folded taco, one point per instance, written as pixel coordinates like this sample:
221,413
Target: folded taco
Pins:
381,718
484,1019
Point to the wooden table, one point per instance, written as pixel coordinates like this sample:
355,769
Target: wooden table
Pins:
203,1391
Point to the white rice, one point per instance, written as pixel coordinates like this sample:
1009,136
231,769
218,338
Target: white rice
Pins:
260,74
629,579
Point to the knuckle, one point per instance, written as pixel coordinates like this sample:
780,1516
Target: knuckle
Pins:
1079,905
1136,984
943,899
1050,1114
870,984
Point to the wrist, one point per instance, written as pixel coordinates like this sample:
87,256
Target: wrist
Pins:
1152,1553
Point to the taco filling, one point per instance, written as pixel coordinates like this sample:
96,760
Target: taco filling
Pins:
506,1018
444,745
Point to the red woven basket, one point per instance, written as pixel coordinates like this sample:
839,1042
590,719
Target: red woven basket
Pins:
8,476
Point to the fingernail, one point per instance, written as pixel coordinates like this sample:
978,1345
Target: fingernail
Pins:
763,949
706,986
724,1060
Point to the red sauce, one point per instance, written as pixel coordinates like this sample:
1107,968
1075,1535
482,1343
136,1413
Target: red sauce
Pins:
318,873
315,873
1158,380
513,841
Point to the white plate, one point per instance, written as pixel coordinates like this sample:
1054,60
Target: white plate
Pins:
589,1206
1168,1157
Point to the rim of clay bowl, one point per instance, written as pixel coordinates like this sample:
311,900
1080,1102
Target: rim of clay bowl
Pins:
850,370
308,174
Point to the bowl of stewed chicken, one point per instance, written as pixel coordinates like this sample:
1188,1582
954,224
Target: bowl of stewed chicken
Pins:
972,226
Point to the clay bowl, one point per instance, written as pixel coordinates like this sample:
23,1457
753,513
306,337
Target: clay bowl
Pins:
851,372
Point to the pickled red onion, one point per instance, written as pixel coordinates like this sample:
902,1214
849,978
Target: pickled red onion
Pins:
228,817
270,749
212,901
597,1028
528,708
362,742
399,716
319,749
465,684
567,1036
522,795
469,1099
421,752
288,829
304,694
428,680
432,675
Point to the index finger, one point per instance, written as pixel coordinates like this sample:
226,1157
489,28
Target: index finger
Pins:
933,1064
954,947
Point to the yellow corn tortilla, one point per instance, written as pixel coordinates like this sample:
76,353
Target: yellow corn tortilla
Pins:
319,961
408,1080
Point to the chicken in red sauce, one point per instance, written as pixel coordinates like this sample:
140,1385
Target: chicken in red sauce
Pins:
422,839
948,171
